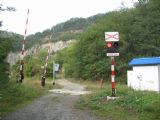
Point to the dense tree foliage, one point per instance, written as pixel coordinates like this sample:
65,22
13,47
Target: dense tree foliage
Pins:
7,43
139,30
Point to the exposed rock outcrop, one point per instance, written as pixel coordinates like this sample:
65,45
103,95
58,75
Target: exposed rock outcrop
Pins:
12,58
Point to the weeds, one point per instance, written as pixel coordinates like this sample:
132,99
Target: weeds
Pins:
14,95
131,105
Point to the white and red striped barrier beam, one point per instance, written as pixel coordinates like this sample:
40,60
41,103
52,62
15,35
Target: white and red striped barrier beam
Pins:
23,51
45,69
46,61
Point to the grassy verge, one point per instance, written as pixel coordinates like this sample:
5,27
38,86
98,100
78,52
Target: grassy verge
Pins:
14,96
132,105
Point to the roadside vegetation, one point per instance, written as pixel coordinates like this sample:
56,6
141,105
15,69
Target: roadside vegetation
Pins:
131,105
14,96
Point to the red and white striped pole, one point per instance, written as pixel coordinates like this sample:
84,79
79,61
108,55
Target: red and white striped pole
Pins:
46,61
45,69
21,77
113,76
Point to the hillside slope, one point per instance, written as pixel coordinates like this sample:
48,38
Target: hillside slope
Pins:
68,30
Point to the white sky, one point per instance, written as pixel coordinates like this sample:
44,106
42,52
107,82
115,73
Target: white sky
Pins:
46,13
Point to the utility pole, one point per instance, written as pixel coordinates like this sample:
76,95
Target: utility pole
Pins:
54,73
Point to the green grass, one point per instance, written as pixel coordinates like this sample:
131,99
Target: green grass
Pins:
131,105
14,96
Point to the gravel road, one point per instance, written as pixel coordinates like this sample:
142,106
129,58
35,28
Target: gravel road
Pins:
55,106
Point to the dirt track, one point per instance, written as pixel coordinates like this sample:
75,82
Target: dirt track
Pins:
54,106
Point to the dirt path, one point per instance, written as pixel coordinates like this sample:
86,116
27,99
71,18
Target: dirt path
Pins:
56,105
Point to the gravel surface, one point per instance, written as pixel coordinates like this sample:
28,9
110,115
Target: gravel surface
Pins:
54,106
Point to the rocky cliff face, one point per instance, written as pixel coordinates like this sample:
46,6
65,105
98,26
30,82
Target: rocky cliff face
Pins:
12,58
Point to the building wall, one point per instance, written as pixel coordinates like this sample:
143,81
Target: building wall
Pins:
144,78
159,76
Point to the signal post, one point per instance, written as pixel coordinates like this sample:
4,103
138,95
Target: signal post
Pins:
112,46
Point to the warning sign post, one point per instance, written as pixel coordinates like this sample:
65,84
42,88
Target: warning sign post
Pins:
112,46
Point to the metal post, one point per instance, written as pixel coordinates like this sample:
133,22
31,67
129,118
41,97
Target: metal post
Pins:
113,77
53,74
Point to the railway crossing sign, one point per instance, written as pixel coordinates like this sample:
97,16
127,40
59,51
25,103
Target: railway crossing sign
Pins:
111,36
112,44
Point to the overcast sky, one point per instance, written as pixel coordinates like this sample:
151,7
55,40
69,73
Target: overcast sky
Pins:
46,13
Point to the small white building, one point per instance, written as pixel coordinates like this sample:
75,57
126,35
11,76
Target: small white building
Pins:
145,74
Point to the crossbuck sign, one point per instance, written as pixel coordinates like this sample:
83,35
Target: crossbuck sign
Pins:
111,36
